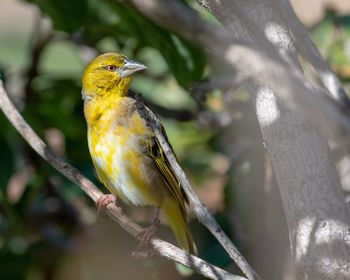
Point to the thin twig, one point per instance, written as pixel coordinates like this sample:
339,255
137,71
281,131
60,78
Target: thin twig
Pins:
181,115
164,248
201,211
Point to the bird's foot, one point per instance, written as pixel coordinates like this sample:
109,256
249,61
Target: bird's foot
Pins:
103,201
142,251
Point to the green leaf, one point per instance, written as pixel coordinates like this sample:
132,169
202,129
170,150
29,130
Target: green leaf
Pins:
66,15
184,60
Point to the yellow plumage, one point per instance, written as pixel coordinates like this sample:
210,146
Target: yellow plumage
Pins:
128,159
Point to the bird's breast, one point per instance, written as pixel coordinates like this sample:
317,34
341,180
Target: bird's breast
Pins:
117,152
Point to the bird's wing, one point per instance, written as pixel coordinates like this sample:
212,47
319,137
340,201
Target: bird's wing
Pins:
155,151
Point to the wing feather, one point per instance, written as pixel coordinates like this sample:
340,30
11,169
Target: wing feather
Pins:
155,151
167,173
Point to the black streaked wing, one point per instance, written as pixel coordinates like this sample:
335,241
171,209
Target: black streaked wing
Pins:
155,151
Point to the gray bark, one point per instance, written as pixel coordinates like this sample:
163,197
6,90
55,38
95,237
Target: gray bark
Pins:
257,211
314,205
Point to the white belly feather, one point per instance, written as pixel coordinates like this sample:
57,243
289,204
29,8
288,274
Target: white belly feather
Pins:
117,177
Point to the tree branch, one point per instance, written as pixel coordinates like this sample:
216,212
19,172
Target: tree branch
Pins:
164,248
309,51
308,182
181,115
291,87
201,211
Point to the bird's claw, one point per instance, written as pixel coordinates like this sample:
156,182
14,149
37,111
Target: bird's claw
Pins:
145,237
103,201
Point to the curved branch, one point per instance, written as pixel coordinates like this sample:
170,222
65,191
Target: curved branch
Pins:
201,211
164,248
310,53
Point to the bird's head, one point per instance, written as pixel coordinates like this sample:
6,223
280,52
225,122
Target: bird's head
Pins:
109,73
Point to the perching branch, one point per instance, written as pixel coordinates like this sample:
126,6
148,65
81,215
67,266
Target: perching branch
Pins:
164,248
201,211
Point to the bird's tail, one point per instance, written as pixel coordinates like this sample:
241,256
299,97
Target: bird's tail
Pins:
176,218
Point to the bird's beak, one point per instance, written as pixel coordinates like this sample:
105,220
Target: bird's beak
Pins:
130,67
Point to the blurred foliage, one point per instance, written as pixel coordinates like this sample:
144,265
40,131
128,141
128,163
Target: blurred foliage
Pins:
40,216
96,20
332,36
65,15
41,213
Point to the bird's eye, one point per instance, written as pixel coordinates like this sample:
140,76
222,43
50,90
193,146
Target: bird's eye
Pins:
111,68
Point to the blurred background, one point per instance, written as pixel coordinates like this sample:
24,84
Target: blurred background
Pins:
49,228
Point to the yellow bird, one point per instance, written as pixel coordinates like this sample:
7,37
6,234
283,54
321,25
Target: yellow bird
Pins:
125,152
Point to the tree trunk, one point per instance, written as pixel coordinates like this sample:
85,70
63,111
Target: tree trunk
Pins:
314,205
257,206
